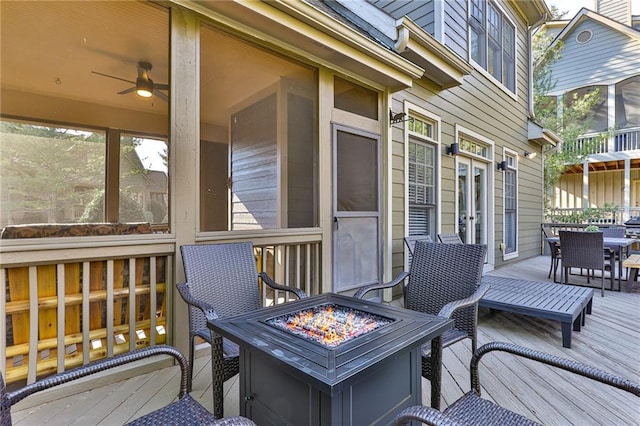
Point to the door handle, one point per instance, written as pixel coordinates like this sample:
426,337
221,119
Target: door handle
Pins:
337,222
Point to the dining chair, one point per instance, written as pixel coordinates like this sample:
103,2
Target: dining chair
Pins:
444,280
185,410
221,281
585,250
555,254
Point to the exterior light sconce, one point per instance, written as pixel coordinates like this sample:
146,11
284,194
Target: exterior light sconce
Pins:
529,155
398,117
502,165
453,149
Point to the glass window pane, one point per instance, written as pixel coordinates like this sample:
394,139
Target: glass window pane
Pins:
41,177
144,192
354,98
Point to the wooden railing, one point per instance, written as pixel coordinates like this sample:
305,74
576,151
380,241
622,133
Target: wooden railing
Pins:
618,141
115,295
112,304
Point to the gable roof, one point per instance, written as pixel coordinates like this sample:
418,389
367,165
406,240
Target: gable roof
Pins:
611,56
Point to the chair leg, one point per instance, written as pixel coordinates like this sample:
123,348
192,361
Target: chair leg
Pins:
436,372
192,350
217,375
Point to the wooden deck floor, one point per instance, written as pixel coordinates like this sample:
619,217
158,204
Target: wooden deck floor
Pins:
610,340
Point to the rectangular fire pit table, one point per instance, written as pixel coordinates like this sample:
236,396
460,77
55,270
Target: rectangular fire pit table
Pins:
290,375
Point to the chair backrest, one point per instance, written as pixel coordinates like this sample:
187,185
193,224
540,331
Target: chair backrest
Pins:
614,232
442,273
223,275
450,239
581,249
410,241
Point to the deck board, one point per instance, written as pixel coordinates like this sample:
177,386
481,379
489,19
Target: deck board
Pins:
610,340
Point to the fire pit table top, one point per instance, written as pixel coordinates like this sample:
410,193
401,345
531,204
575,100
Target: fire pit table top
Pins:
387,331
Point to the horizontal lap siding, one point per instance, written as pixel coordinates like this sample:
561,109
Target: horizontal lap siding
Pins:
480,105
618,54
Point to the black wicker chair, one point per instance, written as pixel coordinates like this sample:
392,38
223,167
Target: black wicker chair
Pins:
585,250
556,255
222,281
471,409
185,410
444,280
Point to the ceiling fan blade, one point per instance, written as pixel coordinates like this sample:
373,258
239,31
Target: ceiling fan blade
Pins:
129,90
160,86
114,77
160,95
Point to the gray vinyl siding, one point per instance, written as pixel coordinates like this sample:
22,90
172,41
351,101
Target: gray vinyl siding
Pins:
419,11
423,13
482,106
455,27
610,56
617,10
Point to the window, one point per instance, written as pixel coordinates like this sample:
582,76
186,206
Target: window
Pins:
492,41
421,182
422,207
39,163
64,155
598,120
258,148
628,103
511,204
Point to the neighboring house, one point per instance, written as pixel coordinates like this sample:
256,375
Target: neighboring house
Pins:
602,50
323,131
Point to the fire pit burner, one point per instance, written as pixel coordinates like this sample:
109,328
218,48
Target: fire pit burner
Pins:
329,324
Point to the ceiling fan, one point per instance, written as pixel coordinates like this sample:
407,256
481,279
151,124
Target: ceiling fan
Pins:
144,86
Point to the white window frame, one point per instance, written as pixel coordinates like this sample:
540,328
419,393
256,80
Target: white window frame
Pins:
511,158
416,112
482,66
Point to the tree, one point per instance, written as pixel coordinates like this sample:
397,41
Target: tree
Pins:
574,120
45,171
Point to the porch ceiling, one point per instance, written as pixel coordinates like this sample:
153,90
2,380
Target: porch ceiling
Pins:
603,166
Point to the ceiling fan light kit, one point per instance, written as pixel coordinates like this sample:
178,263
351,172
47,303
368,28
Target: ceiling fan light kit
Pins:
144,86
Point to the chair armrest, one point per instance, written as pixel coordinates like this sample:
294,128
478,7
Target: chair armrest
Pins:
208,310
234,421
555,361
448,309
271,283
426,415
101,365
363,290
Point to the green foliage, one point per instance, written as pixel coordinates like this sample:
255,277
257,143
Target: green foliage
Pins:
130,210
592,228
576,114
588,215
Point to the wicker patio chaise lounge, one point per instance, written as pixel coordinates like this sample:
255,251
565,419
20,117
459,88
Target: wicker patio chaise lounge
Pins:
471,409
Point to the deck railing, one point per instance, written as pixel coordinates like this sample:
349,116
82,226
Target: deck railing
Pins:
618,141
66,305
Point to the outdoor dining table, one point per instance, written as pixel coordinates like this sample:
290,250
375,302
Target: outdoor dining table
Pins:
289,376
618,245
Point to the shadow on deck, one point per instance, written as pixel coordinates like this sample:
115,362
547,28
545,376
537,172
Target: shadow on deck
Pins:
610,340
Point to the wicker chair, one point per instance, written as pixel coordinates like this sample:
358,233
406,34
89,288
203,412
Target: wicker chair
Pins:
222,281
585,250
444,280
556,255
472,409
450,239
184,410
